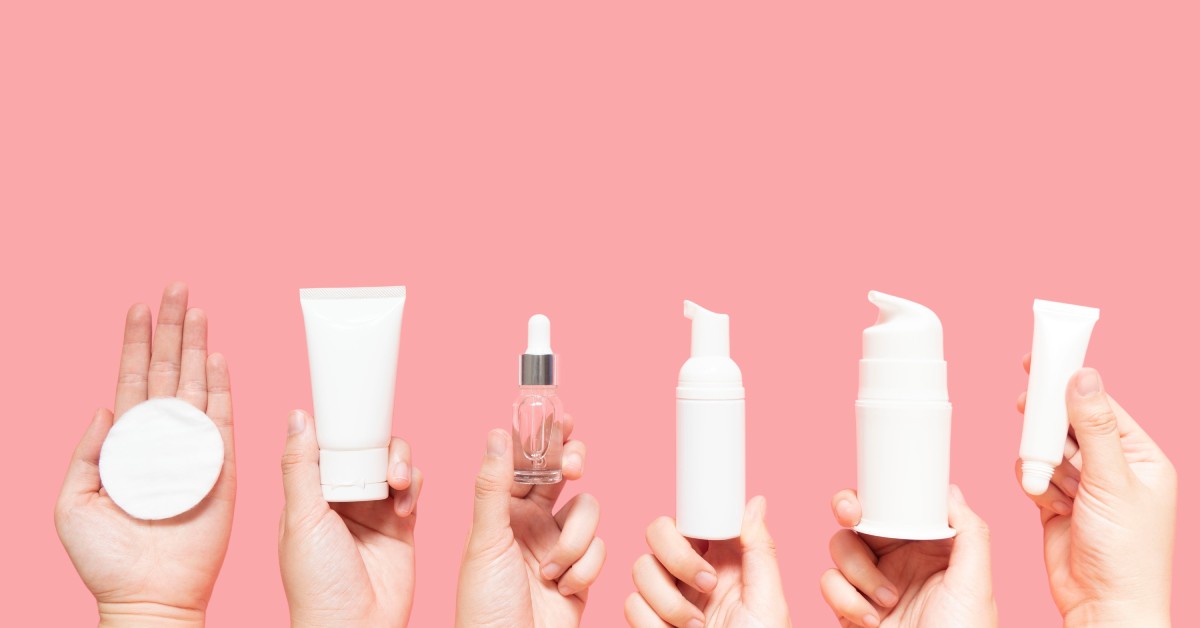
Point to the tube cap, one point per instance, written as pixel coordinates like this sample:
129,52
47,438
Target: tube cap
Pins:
709,373
357,475
1035,476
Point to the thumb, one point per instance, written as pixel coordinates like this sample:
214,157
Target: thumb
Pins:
1096,430
83,475
971,558
493,487
301,473
760,567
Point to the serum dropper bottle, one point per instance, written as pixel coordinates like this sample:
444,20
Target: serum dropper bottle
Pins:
537,412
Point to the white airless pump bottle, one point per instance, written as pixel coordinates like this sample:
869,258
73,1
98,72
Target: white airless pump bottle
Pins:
903,414
710,433
1060,338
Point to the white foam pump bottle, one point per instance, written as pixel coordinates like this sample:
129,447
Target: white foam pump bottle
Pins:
903,412
710,433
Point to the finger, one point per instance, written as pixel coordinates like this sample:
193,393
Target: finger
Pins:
406,500
574,453
1096,430
546,495
846,508
568,426
220,405
846,601
857,563
579,519
303,498
193,387
1021,398
760,565
586,569
135,360
678,556
399,474
658,588
83,473
638,614
1055,499
971,557
168,341
492,489
1026,361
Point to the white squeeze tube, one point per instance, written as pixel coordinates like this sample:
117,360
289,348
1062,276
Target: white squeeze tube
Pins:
353,345
1060,338
903,413
710,433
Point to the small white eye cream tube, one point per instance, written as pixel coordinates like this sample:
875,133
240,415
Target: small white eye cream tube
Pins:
353,345
1060,338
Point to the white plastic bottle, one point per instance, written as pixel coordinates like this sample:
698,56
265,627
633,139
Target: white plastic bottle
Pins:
710,433
903,414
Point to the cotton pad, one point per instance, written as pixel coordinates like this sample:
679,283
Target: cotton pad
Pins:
161,458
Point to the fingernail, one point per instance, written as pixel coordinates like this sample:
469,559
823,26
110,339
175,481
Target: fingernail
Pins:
296,424
886,596
405,506
1070,486
871,621
551,571
843,510
495,446
1060,507
1088,383
400,471
956,493
706,581
695,623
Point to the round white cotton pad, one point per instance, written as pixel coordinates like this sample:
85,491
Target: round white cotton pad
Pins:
161,458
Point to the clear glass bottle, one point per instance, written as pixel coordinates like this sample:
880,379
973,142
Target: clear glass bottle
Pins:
537,413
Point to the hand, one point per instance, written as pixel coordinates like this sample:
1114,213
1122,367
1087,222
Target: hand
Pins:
352,563
1109,515
152,572
890,582
526,565
691,583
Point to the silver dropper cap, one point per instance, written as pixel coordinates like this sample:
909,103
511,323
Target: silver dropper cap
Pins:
537,363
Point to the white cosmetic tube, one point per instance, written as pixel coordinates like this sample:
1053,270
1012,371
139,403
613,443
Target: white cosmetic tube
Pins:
1060,338
353,344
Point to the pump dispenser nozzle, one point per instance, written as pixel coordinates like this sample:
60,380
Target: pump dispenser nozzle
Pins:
709,373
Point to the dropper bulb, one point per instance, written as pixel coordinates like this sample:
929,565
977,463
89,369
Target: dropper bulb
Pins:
539,335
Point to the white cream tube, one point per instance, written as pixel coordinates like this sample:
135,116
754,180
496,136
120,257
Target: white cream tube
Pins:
353,344
1060,338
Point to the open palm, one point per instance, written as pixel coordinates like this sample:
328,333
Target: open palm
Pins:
165,567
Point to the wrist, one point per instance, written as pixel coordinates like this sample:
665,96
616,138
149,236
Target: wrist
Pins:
1117,615
136,614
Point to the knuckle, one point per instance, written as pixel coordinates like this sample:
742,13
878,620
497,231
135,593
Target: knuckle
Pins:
290,461
131,379
1100,420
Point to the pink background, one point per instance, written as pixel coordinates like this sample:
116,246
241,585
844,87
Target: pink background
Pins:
597,163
